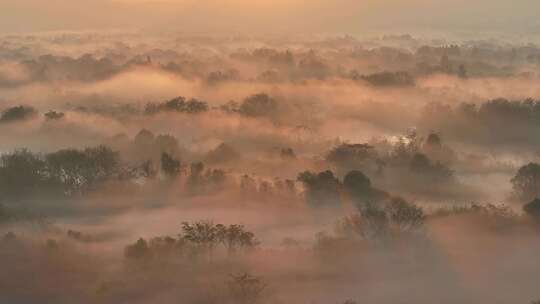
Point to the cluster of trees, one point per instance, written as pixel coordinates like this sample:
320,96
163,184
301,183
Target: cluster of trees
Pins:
195,239
324,189
246,288
200,181
198,178
217,77
383,220
22,112
267,189
24,174
54,115
80,236
258,105
533,209
514,121
417,158
147,146
526,186
526,182
480,58
17,113
386,79
352,155
376,223
84,68
178,104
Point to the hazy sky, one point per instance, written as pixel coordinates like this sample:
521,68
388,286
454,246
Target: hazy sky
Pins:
269,15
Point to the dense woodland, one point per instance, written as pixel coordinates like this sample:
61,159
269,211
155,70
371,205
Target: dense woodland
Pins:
208,169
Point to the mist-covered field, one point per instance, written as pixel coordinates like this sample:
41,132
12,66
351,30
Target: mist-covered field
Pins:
203,168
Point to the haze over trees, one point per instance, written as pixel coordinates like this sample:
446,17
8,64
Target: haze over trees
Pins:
212,168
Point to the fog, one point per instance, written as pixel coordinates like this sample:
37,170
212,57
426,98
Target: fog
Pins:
277,16
180,166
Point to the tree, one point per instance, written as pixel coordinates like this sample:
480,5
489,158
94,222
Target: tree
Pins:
215,179
258,105
235,237
195,181
53,115
387,79
223,153
204,235
357,183
379,222
5,214
144,138
287,153
404,216
533,209
17,113
246,288
434,141
352,155
170,166
248,184
167,143
81,170
322,189
371,224
195,106
138,251
462,72
178,104
435,172
22,174
358,186
445,63
526,182
147,169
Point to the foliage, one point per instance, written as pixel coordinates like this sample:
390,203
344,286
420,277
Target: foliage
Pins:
139,250
436,172
198,239
17,113
22,173
322,189
223,153
386,79
358,186
80,170
235,237
405,217
246,288
376,222
170,166
208,235
54,115
65,172
352,155
258,105
526,182
178,104
533,209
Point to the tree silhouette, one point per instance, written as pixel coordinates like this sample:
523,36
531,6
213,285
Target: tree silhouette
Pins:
533,209
526,182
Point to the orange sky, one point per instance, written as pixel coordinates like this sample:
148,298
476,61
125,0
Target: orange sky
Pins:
267,15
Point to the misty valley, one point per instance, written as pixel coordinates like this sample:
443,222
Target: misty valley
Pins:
166,168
